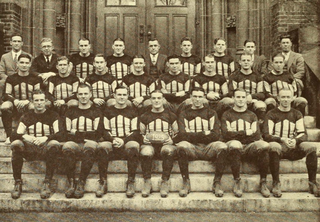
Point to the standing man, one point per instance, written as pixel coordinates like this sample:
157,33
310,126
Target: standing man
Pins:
121,140
161,120
83,61
18,93
84,127
225,63
190,64
294,62
8,63
241,131
45,64
285,131
37,138
199,133
119,63
155,62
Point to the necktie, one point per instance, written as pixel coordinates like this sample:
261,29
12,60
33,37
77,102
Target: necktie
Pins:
154,60
15,58
48,60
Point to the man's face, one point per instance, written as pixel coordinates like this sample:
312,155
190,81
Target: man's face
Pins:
186,47
100,64
285,98
121,96
84,95
47,48
174,65
220,46
16,43
84,47
286,44
62,67
245,62
24,64
209,64
138,64
154,47
118,47
250,47
240,99
278,63
39,102
157,100
197,98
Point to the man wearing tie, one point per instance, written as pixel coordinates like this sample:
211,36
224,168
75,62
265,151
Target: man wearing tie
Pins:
155,62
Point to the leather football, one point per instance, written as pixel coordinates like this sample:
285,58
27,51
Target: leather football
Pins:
157,137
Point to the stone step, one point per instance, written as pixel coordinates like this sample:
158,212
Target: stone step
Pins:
313,135
197,201
199,183
120,166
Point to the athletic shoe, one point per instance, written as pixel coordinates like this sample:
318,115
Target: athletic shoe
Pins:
185,188
216,189
146,188
45,190
79,192
103,188
314,188
130,189
70,191
17,190
264,189
276,190
164,188
237,187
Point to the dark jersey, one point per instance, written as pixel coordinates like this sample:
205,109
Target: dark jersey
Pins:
164,121
279,124
190,65
274,83
224,65
40,124
62,87
216,83
139,86
20,87
195,123
82,66
121,123
234,125
173,84
87,123
119,67
252,84
103,86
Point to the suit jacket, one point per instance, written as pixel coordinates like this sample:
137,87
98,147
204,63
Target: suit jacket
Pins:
39,65
295,65
7,65
161,63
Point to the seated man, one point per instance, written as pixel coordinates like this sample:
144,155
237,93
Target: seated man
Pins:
279,79
121,140
62,87
157,119
284,130
84,127
37,137
103,84
18,93
199,132
240,129
190,64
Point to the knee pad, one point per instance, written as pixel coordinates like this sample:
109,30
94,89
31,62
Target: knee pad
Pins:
262,145
235,145
6,106
167,151
17,146
308,148
271,101
260,105
275,147
147,151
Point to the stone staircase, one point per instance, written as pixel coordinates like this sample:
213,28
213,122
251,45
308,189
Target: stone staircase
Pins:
293,178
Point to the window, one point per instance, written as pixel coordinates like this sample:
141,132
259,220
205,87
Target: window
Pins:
171,2
121,2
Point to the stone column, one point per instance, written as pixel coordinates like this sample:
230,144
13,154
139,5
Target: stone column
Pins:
49,19
217,19
242,23
75,24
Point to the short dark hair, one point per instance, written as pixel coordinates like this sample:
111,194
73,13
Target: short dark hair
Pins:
16,34
249,40
24,56
197,89
139,56
84,39
245,54
239,90
153,39
119,39
217,39
121,87
60,58
209,56
286,36
156,91
38,92
173,57
186,39
100,55
84,85
277,55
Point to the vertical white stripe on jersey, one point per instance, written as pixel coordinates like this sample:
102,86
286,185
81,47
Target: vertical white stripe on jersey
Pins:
241,125
186,125
151,88
8,88
81,121
270,127
68,124
259,87
235,85
224,88
232,67
96,123
106,123
186,86
219,68
253,126
300,126
212,122
229,127
134,124
142,129
285,128
226,70
51,88
198,124
205,125
198,68
55,126
23,90
21,128
175,128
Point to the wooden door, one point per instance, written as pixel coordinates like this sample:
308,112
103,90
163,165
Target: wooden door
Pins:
136,21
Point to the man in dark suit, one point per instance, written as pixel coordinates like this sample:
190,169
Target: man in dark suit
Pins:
8,63
44,65
155,62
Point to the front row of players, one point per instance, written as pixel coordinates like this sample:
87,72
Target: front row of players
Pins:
117,132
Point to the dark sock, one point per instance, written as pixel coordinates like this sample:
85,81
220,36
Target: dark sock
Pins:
103,162
133,160
312,163
220,164
183,164
70,164
235,159
7,122
146,165
86,164
274,166
17,163
263,163
51,157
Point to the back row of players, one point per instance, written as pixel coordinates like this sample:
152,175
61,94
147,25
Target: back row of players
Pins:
103,106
